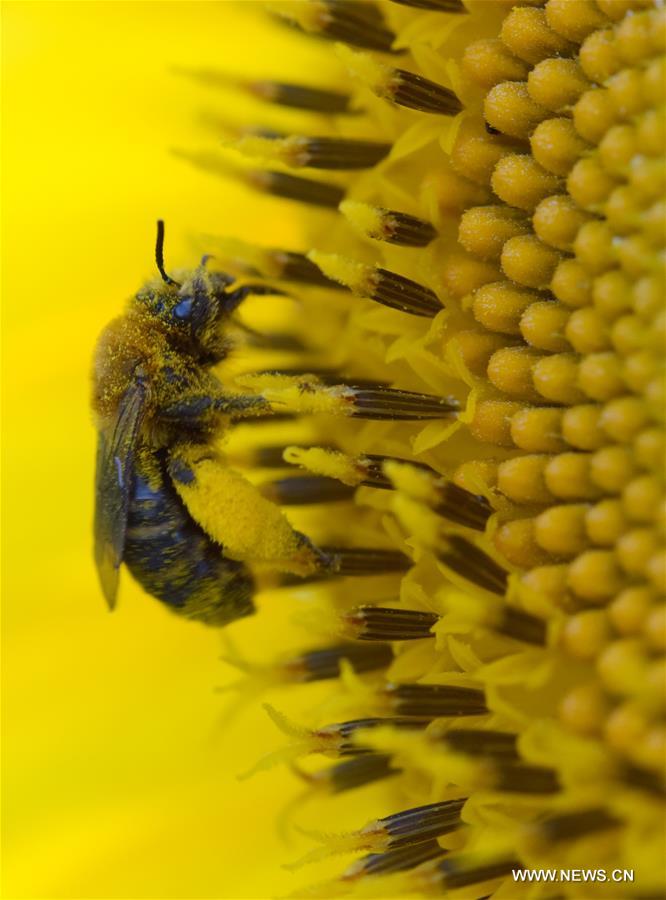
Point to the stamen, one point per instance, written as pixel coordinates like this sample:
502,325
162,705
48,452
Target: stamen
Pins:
272,341
388,225
445,498
370,400
292,187
364,561
268,262
298,151
446,6
652,782
268,457
343,733
525,779
434,700
399,86
375,283
420,823
300,96
522,626
282,93
460,871
305,490
319,665
393,404
359,24
467,560
351,470
356,772
297,267
479,742
416,92
569,826
398,860
275,456
375,623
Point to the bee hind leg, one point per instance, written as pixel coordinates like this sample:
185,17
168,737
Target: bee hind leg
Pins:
249,527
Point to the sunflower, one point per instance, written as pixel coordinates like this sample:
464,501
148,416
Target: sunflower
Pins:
462,201
470,386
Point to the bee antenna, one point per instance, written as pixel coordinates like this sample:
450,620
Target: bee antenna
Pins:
159,254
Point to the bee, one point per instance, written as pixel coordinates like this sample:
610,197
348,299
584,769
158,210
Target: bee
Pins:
157,403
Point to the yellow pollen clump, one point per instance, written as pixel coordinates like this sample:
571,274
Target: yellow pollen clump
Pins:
234,513
354,275
325,462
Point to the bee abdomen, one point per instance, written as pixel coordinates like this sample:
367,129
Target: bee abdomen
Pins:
174,559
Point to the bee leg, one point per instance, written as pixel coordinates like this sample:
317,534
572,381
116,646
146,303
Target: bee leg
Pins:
249,527
231,301
189,409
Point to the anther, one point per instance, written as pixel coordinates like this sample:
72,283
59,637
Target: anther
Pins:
402,858
363,561
392,404
388,225
324,663
444,497
521,626
460,871
376,623
292,187
297,267
466,560
570,826
358,24
299,151
356,772
400,86
434,700
300,96
411,826
309,394
380,285
521,778
342,737
305,490
478,742
445,6
416,92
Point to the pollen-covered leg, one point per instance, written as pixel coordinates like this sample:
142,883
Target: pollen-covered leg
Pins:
233,512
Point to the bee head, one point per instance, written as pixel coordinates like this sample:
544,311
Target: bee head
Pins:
191,308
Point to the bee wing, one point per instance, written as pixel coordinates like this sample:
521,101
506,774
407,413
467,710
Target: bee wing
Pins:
115,459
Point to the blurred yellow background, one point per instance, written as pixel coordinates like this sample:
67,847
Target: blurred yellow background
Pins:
117,782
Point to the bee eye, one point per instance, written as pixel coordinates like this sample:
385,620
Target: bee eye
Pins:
183,310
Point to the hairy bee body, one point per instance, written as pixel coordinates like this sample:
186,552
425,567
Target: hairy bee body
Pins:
155,397
173,557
